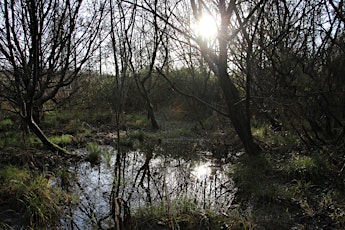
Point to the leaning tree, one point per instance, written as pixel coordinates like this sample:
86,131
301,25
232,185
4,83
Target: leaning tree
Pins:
43,47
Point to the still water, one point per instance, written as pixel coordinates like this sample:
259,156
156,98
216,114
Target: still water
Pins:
148,179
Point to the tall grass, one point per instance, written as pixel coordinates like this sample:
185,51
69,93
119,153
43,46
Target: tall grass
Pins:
94,153
39,202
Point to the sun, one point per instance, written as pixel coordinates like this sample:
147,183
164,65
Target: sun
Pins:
207,27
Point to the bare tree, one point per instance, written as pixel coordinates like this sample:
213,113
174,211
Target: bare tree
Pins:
148,52
216,55
122,21
43,47
297,43
219,63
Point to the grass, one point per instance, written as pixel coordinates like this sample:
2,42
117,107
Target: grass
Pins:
302,166
9,138
33,196
178,214
62,140
5,124
137,120
295,186
41,202
95,151
282,141
13,179
18,139
284,187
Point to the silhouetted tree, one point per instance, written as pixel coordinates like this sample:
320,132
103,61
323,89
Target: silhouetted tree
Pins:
43,47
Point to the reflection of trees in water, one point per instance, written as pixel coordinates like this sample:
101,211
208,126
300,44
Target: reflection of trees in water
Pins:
148,177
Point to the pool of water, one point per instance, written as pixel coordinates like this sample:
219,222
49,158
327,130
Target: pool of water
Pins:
146,179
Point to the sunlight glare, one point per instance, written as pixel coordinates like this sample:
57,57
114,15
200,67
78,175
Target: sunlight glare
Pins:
207,27
202,171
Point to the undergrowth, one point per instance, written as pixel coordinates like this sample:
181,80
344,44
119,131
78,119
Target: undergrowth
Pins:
34,196
284,190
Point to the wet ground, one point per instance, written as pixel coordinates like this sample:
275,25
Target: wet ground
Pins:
163,174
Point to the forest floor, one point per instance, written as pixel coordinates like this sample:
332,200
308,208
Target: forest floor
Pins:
288,186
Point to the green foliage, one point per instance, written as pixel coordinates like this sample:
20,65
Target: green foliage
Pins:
9,138
137,135
62,140
253,177
277,140
179,214
58,118
107,157
13,179
261,131
33,141
242,220
42,202
287,185
66,177
34,196
94,156
4,124
137,120
18,139
99,92
302,165
87,132
73,126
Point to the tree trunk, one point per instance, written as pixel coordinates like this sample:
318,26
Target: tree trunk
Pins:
237,113
145,94
152,117
46,142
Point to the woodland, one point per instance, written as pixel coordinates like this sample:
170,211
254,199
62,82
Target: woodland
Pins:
258,84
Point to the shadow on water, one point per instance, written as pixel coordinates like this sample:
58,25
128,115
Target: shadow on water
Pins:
148,178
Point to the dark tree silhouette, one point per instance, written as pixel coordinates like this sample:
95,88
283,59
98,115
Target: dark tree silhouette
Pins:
43,47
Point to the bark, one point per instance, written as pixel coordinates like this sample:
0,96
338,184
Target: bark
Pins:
219,65
46,142
152,117
234,103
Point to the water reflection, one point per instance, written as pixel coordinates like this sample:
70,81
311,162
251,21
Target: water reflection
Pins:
147,178
202,171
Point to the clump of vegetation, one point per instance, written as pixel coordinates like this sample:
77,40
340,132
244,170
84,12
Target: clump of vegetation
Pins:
137,135
177,214
94,155
9,138
18,139
13,179
62,140
5,124
66,178
34,197
293,186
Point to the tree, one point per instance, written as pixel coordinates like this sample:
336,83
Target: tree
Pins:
143,60
148,51
219,64
43,47
297,46
217,55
